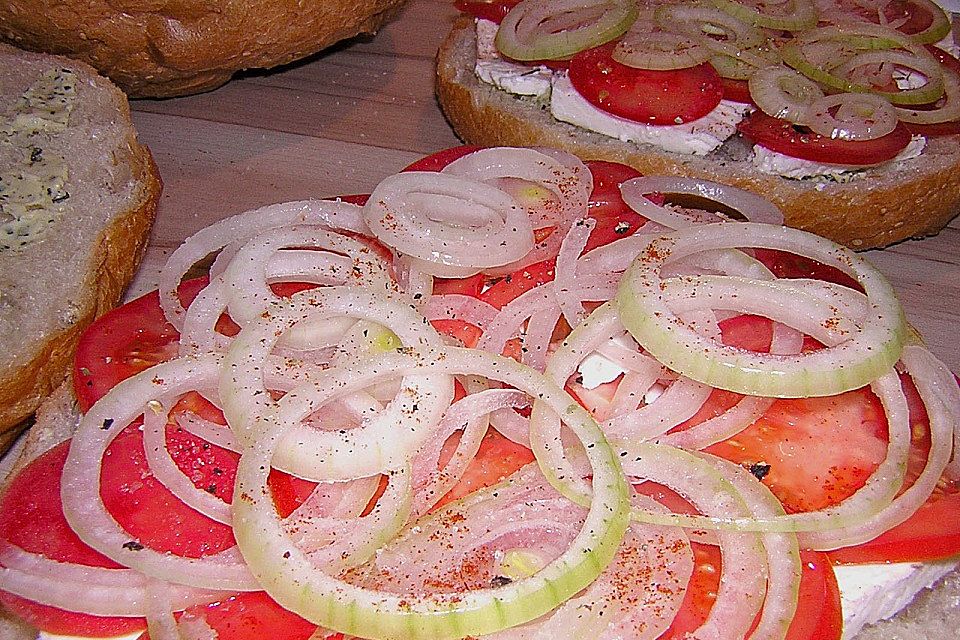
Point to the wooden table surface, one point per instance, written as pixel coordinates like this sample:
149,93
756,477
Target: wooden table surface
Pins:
342,121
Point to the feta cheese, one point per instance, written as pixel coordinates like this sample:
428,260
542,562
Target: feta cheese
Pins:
873,592
698,137
596,370
774,163
514,78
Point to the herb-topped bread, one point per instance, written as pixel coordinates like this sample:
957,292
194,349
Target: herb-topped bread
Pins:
77,199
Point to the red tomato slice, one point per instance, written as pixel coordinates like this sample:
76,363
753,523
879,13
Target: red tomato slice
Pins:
498,458
819,616
251,616
798,142
493,10
641,95
736,90
614,218
31,518
125,341
440,159
511,286
933,532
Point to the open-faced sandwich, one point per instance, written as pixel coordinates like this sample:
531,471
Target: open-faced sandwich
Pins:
77,199
509,394
845,113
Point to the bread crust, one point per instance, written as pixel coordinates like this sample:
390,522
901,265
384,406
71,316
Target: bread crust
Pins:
179,47
111,262
884,205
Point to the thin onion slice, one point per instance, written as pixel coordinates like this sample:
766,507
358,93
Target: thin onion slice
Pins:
661,51
80,485
550,29
802,14
849,365
335,604
746,203
349,453
852,116
451,226
333,214
783,93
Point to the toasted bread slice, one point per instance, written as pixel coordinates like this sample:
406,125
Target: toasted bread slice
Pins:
884,205
77,202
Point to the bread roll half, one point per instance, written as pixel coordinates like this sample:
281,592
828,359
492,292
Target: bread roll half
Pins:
77,199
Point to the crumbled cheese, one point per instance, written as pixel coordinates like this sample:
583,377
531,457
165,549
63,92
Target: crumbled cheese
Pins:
596,370
873,592
514,78
698,137
774,163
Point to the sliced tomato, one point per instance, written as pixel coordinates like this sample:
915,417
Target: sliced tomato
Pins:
498,458
493,10
251,616
521,281
641,95
933,532
784,264
736,90
125,341
818,605
819,616
471,286
614,218
440,159
799,142
31,518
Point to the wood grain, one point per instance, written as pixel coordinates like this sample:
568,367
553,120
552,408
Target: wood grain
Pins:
341,121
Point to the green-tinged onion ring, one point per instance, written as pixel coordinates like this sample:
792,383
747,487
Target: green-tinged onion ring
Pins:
549,29
848,365
661,51
939,26
867,44
869,500
804,15
948,111
740,65
784,93
917,59
694,20
286,573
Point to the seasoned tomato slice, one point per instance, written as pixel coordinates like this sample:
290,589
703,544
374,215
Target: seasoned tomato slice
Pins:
799,142
642,95
252,616
31,517
125,341
493,10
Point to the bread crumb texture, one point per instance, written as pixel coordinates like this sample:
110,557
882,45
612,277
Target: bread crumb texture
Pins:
77,198
164,48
